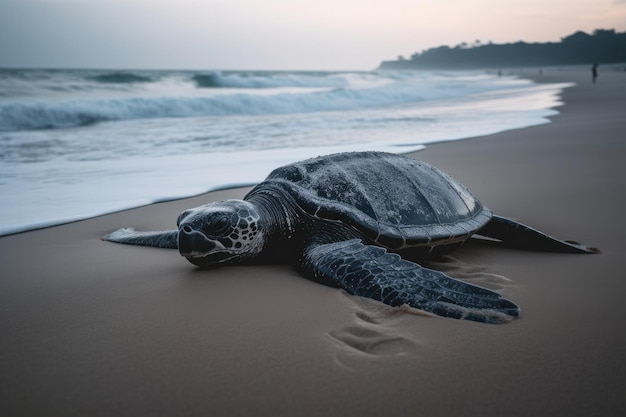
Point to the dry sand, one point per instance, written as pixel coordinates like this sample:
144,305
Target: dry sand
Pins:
92,328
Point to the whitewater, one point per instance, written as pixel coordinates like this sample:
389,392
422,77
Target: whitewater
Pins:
80,143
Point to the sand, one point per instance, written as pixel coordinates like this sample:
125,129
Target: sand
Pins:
93,328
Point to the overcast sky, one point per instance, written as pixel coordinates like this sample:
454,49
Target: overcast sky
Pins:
275,34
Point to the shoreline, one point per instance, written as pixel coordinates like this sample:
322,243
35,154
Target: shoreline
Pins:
91,327
93,184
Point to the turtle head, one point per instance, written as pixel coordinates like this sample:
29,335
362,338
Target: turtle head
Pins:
220,233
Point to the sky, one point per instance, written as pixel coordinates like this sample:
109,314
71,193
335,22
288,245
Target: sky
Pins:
276,34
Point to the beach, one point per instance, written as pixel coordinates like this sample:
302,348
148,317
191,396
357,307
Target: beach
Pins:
93,328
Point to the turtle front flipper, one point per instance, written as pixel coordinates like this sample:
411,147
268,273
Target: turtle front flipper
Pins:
165,239
517,235
369,271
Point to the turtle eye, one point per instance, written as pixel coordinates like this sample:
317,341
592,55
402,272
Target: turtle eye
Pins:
218,227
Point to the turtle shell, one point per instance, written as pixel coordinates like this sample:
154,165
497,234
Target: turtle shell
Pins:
395,201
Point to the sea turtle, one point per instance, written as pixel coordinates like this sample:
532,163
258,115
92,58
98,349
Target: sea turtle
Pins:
352,220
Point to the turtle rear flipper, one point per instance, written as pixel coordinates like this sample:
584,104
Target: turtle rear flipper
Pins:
166,239
369,271
518,235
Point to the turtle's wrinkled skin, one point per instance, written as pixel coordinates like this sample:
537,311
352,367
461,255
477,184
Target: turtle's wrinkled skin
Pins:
342,219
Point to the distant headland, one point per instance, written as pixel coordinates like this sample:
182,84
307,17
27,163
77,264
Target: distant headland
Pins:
603,46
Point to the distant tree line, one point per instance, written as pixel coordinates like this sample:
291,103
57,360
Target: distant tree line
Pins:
603,46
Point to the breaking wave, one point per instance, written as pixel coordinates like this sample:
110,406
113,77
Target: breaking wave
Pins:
339,92
47,115
218,79
121,78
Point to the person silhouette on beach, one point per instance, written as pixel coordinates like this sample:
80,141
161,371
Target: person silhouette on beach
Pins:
594,72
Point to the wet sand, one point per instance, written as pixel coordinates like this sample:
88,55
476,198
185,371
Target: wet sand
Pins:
94,328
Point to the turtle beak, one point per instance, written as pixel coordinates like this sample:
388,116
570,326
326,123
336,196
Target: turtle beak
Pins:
194,243
199,249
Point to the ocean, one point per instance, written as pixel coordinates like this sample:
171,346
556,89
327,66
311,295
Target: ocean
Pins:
80,143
